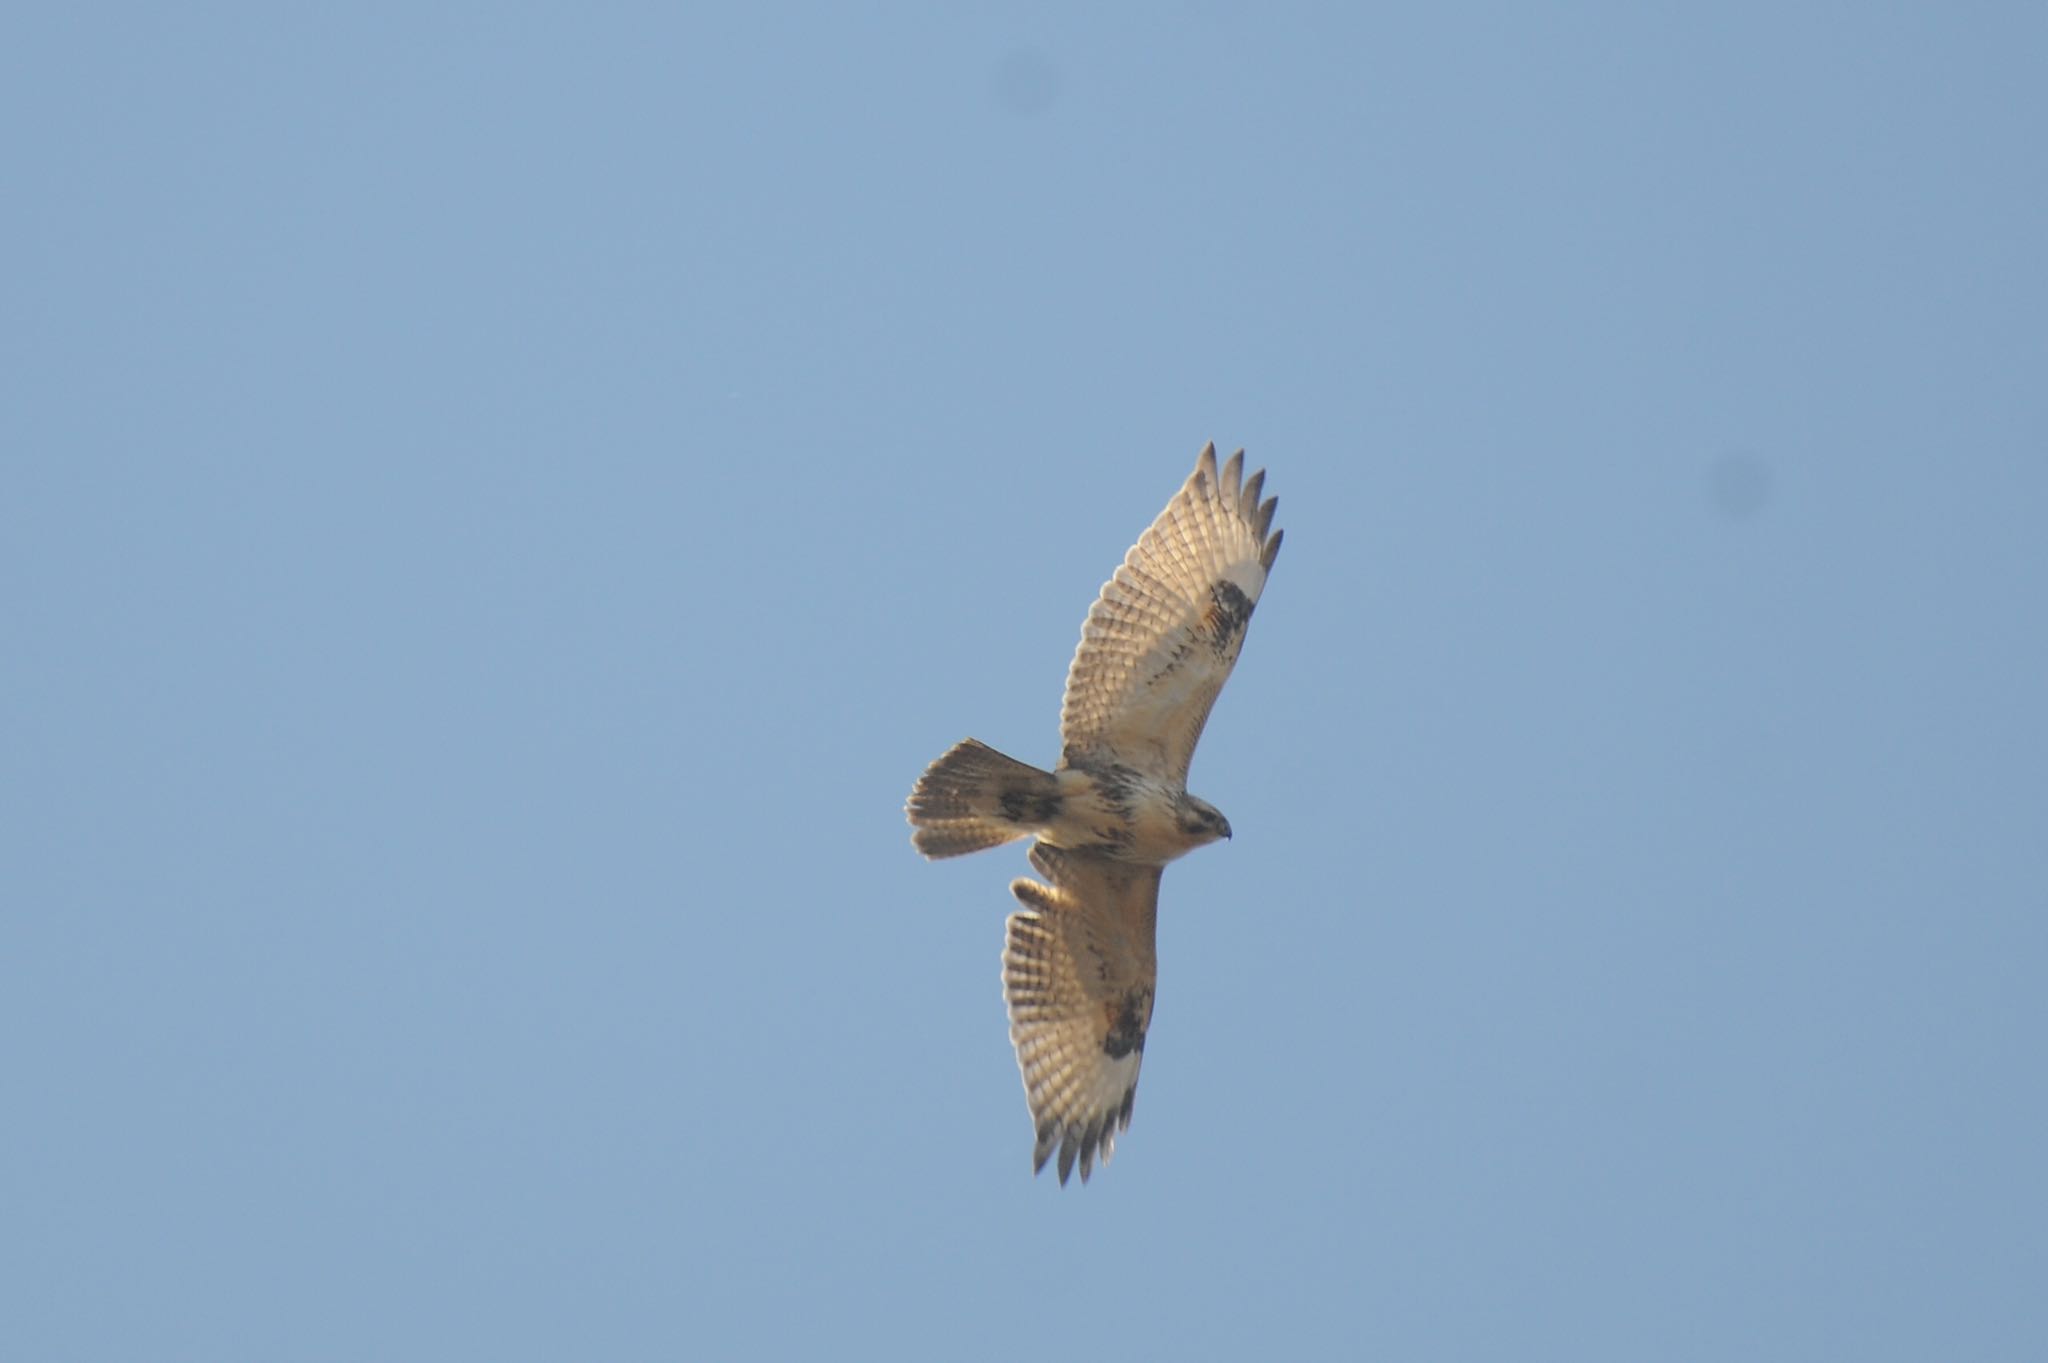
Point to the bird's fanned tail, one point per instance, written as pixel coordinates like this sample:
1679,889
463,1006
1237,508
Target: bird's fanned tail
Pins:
975,797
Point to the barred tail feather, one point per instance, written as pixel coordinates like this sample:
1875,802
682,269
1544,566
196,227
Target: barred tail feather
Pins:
975,797
958,837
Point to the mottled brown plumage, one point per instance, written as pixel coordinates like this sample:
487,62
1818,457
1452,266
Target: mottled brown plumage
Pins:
1078,966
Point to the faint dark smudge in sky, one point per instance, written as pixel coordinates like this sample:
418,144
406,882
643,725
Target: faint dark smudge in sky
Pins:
1026,82
1739,486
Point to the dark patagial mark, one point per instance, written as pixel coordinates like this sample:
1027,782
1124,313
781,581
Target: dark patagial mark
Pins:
1021,806
1111,839
1126,1027
1114,785
1230,610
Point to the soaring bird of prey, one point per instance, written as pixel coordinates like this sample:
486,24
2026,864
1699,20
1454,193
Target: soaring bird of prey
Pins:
1078,965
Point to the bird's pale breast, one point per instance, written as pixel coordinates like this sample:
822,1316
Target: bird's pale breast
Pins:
1119,812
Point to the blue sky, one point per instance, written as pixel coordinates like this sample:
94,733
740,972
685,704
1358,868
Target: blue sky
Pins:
498,504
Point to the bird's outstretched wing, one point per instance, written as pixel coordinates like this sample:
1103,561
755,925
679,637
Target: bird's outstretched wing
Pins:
1079,971
1161,639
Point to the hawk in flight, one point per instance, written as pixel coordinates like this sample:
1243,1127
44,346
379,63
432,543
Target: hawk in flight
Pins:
1078,967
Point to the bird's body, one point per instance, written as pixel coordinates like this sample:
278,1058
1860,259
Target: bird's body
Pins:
1129,815
1095,807
1079,970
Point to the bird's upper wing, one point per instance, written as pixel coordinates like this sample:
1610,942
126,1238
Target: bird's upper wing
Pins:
1078,971
1161,639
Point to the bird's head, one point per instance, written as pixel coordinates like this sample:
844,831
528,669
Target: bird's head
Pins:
1202,822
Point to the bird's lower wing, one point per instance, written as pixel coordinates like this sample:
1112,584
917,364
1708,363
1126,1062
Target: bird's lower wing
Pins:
1079,973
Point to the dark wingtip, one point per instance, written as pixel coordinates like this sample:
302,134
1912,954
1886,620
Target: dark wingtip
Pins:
1228,482
1248,498
1264,519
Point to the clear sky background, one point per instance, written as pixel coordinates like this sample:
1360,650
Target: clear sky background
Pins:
498,503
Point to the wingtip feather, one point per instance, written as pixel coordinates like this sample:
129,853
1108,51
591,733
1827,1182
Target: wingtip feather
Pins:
1248,500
